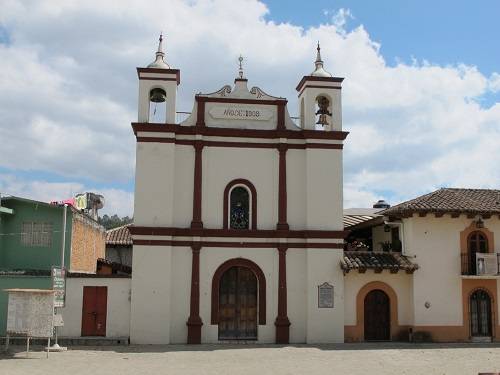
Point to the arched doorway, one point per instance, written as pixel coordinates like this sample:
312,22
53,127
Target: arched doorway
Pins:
476,243
377,316
480,314
238,304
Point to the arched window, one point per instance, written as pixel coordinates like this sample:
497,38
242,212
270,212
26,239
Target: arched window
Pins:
239,212
240,205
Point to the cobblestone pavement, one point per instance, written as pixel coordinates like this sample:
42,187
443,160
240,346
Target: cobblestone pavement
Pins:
258,359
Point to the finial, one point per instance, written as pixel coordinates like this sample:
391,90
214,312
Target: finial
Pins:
318,54
159,63
240,71
319,71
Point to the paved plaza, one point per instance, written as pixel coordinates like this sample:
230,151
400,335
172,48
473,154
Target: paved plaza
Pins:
262,360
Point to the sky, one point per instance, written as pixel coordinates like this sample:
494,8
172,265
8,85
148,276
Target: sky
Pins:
421,95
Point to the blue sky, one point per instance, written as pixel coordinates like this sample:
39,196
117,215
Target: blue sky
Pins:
421,95
443,31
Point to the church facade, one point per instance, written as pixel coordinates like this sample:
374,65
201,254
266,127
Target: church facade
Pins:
238,231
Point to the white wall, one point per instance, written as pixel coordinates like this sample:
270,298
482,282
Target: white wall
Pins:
324,325
436,244
151,295
154,184
118,307
221,165
400,282
378,236
324,189
296,279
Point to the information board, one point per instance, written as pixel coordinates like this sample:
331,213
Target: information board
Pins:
59,286
30,313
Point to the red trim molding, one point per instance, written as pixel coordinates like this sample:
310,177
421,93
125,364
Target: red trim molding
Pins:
282,196
281,116
200,114
196,223
253,195
318,87
241,244
242,133
191,142
261,280
194,321
282,322
317,79
242,233
212,99
177,73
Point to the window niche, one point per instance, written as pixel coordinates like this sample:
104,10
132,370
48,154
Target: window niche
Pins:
240,205
239,211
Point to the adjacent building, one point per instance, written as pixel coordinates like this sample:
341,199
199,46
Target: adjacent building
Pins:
31,244
440,280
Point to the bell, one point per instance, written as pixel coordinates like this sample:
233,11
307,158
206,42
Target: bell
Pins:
322,120
157,95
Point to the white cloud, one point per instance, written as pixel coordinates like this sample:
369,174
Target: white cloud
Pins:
69,89
117,201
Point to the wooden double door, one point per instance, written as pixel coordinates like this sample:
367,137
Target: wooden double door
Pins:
377,311
238,305
480,314
94,310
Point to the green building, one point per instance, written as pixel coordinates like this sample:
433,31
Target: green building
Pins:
31,244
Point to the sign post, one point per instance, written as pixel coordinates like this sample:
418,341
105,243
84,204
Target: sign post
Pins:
59,288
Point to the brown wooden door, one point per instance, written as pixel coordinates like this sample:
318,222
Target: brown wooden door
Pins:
94,310
377,316
238,305
480,314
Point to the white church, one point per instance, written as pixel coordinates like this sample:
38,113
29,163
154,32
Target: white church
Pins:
238,227
240,235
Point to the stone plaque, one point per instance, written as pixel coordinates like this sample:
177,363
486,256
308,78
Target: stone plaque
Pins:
241,112
325,295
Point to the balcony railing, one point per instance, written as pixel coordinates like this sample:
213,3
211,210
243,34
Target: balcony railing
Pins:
487,264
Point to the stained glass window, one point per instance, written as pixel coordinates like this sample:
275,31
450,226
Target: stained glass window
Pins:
240,211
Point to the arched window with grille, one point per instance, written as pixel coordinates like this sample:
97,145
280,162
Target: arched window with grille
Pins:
240,205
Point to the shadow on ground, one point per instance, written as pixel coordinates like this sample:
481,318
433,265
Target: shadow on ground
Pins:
15,351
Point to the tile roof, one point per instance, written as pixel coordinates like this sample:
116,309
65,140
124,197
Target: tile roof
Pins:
363,260
355,216
119,236
451,200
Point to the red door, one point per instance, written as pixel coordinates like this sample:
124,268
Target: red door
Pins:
95,302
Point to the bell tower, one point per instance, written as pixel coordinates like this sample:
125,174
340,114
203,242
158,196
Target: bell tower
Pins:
158,90
320,104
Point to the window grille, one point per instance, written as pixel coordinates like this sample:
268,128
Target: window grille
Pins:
35,234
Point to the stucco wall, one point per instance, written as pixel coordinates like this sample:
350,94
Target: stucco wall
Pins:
324,325
436,244
150,305
118,306
221,165
400,282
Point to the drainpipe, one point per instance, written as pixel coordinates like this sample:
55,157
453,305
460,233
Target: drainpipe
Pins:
63,235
